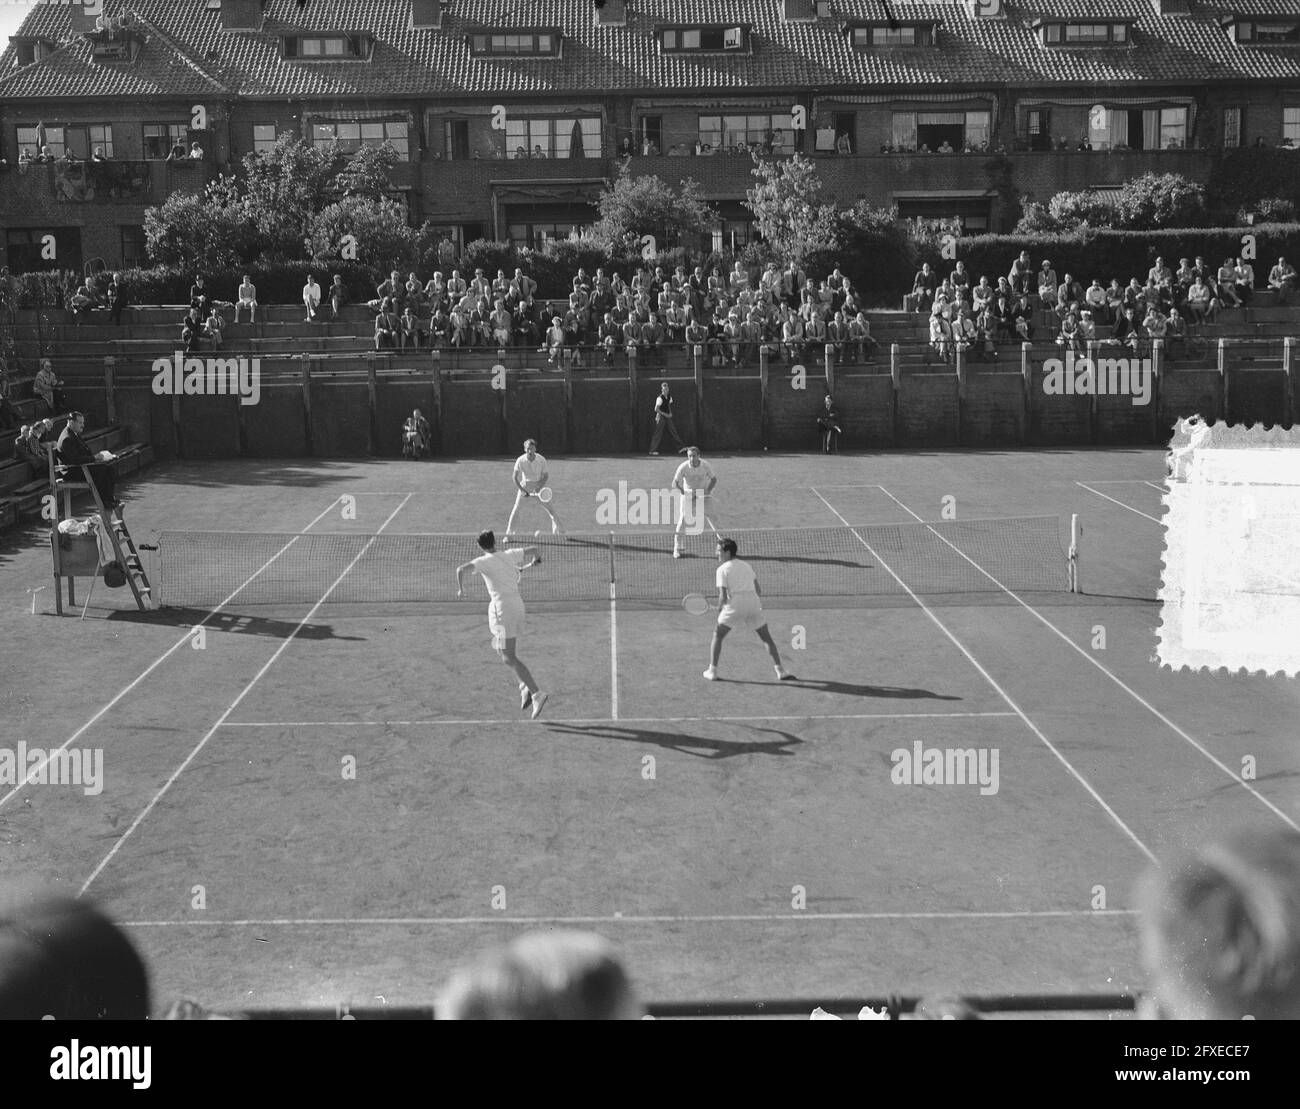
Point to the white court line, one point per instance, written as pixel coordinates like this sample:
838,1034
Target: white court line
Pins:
233,705
1099,493
1157,488
1131,692
1119,481
802,917
604,720
989,677
164,656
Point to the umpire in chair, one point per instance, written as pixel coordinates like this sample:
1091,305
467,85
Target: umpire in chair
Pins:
72,450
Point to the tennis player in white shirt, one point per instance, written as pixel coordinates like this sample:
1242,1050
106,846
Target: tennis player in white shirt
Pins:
531,475
739,607
694,480
500,571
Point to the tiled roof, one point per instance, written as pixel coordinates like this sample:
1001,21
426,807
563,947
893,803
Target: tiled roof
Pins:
406,62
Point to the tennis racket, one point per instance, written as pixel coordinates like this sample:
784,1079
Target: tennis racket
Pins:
544,494
697,604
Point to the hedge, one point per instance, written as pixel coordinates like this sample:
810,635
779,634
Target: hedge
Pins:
1115,254
1245,176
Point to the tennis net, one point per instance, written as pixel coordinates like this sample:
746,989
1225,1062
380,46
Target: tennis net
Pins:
948,556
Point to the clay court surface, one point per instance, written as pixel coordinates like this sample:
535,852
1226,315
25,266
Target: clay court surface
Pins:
466,822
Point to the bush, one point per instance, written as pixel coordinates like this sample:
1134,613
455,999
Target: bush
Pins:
1157,200
1247,175
1270,209
384,240
486,255
43,288
876,250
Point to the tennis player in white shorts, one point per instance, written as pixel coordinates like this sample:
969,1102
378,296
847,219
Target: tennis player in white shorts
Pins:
694,480
500,572
529,476
739,607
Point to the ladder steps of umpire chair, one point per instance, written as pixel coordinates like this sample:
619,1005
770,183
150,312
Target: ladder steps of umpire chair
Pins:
119,535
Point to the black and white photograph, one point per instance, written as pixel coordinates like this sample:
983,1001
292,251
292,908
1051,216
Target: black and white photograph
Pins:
712,510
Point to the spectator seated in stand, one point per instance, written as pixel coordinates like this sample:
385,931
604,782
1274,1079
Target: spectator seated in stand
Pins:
1127,331
47,387
118,298
1201,302
1282,279
246,298
387,327
192,331
1175,334
199,297
82,302
213,326
1229,296
311,298
409,332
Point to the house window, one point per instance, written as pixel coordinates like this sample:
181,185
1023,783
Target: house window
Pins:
455,139
1039,128
353,136
263,138
563,137
1173,128
1291,126
28,136
1085,34
721,39
1277,32
325,47
864,38
508,44
133,252
729,132
937,131
101,137
159,138
1232,126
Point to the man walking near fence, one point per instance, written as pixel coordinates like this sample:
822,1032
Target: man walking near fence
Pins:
664,419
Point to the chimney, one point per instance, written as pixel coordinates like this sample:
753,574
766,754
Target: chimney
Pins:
241,15
986,9
85,14
798,11
611,13
426,14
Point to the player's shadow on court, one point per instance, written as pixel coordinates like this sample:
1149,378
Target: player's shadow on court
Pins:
701,747
237,622
849,689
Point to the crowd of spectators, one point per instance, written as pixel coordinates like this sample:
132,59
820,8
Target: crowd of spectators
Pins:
1031,304
729,317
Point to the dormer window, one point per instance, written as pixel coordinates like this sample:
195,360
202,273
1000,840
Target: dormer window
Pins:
878,35
32,50
1085,34
1265,31
516,44
717,40
330,48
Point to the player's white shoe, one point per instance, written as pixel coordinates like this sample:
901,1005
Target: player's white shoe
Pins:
677,553
525,696
539,699
783,675
711,674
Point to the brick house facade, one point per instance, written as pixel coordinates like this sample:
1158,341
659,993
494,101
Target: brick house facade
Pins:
1043,94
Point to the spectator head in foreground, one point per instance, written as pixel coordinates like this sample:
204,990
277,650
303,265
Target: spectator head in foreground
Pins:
63,958
1221,930
557,975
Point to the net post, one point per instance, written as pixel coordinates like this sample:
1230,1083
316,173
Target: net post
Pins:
1075,532
1157,373
1223,379
1288,375
1027,389
763,386
829,356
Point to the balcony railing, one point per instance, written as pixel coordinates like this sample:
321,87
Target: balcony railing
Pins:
38,187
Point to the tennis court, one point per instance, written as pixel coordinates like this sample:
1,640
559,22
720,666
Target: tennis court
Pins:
314,802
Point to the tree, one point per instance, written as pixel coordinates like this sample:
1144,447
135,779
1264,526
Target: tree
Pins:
789,211
637,206
209,232
377,227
